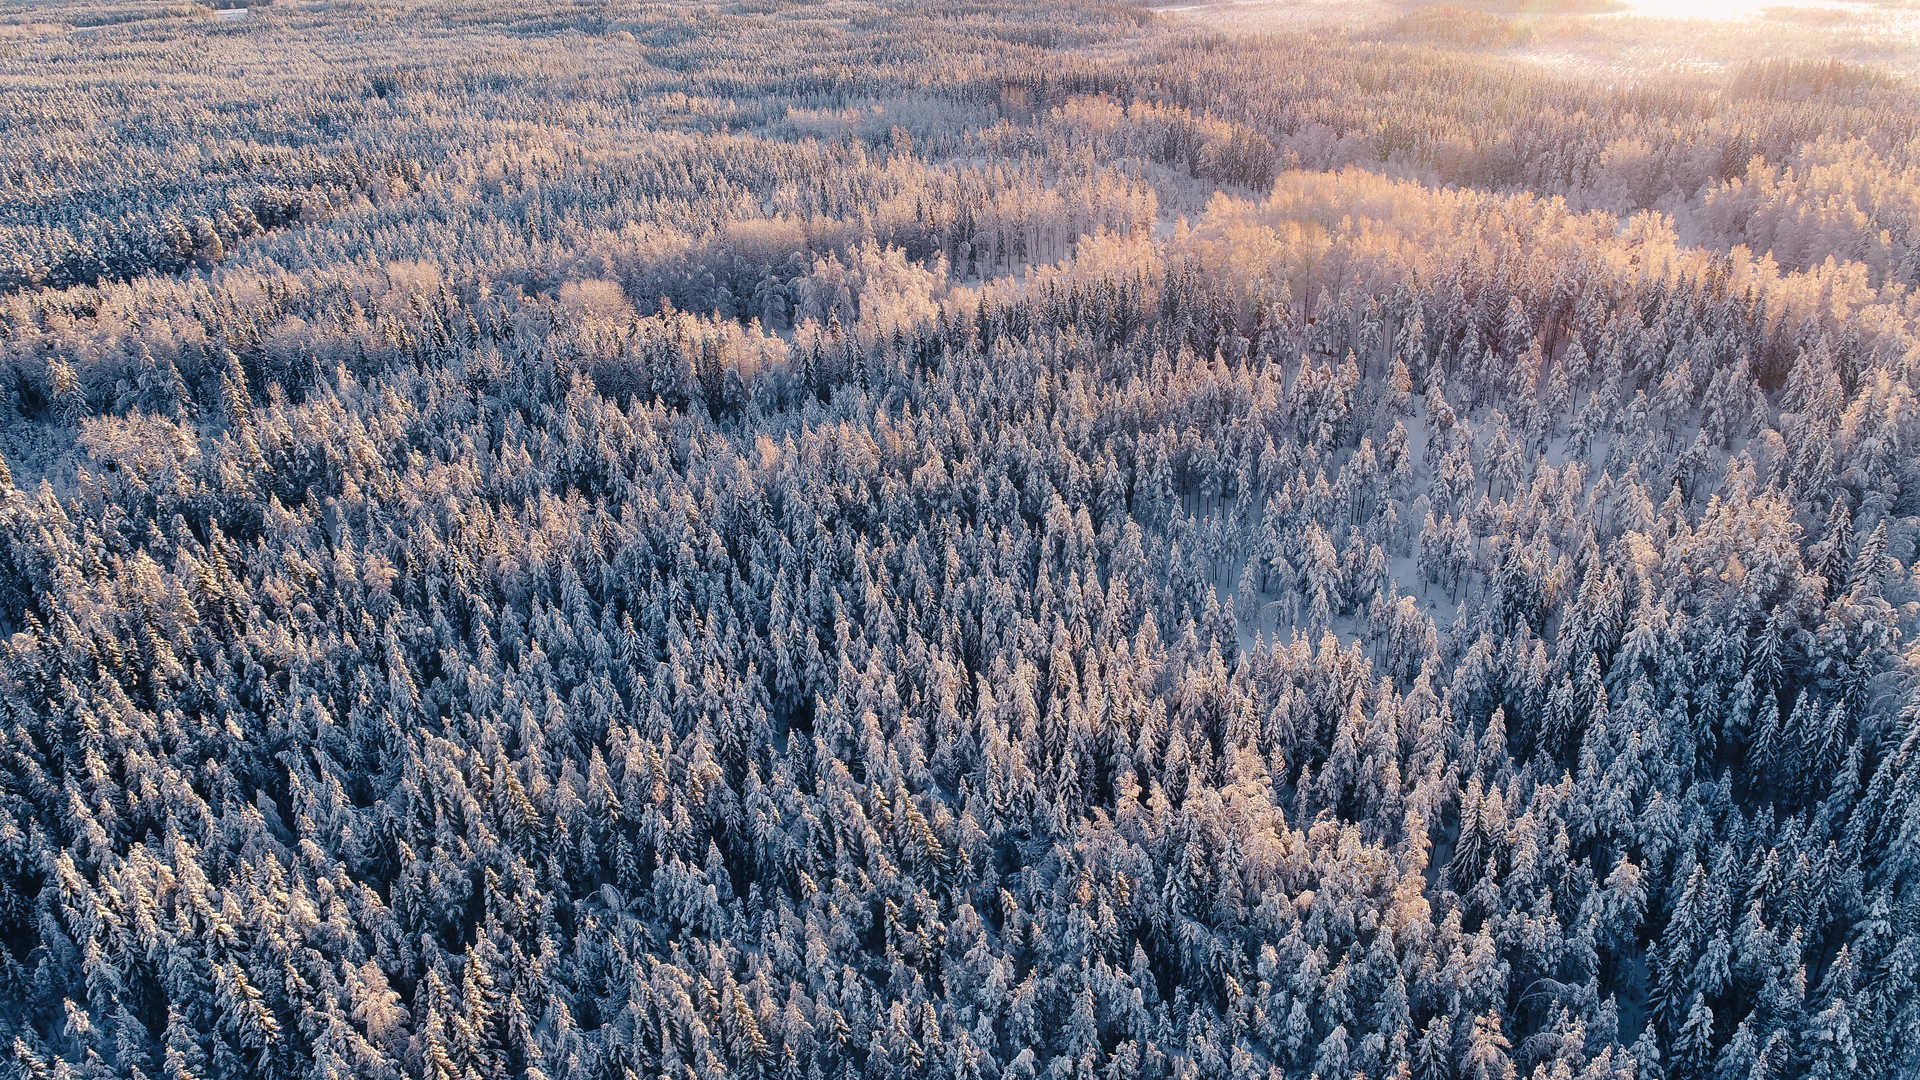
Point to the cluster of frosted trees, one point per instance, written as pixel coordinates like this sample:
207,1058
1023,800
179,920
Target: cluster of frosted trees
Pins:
783,558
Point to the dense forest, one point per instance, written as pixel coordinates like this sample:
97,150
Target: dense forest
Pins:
961,539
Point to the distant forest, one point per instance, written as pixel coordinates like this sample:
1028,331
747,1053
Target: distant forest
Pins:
964,539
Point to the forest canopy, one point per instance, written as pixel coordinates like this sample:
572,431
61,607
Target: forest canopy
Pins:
971,539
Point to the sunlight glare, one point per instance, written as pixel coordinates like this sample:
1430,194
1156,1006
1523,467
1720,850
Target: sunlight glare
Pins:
1699,9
